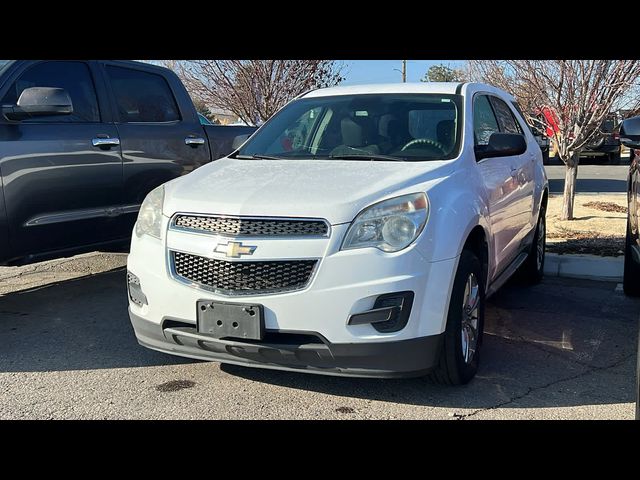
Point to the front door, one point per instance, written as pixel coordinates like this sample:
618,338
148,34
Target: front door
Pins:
500,178
160,137
60,190
524,172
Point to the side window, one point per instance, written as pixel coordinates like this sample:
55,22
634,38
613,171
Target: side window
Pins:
506,120
484,120
142,96
74,77
534,129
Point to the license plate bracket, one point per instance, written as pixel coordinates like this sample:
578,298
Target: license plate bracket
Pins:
232,320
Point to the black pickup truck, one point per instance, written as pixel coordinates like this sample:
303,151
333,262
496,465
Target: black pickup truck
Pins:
82,143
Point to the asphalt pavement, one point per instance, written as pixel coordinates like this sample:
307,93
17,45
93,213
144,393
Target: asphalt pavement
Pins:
563,349
591,178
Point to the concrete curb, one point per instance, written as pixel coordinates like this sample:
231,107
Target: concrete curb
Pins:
589,267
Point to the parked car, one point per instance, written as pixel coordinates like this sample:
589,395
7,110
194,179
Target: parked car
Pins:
358,232
543,142
630,138
81,145
606,144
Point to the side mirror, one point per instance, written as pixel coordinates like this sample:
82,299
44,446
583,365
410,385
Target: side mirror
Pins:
38,102
239,140
630,132
502,145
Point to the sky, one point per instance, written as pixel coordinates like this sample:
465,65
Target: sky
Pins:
382,71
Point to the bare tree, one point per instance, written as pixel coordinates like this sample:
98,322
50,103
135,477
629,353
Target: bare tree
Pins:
578,95
254,89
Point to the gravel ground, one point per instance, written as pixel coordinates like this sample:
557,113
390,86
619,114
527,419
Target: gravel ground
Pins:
13,279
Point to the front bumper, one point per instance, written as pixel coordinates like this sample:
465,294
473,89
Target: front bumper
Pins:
345,283
602,150
403,358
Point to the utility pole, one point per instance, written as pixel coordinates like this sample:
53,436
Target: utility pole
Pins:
403,71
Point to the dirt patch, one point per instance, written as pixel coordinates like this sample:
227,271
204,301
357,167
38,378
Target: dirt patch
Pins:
175,385
345,410
598,228
606,207
602,246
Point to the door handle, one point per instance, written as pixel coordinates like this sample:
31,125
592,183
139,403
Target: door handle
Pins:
194,141
105,142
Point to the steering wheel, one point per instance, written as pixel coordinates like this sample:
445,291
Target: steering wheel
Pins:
424,141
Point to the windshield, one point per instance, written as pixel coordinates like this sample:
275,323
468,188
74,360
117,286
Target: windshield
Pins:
409,127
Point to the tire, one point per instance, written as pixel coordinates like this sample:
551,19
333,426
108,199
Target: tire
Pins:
532,269
631,278
453,368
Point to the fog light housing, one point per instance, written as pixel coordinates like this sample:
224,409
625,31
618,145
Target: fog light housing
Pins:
390,312
135,290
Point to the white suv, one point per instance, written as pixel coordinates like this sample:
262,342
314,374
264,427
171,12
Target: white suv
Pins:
357,232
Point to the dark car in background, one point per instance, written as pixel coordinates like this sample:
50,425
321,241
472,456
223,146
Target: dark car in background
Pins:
81,145
605,146
630,137
543,142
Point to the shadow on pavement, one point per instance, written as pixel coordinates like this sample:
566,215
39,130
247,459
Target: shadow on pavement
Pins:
603,185
559,343
79,324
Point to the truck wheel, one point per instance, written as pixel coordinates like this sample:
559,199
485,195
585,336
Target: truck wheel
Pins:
631,278
532,269
460,350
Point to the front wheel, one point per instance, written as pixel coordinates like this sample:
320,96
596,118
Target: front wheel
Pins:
460,351
631,278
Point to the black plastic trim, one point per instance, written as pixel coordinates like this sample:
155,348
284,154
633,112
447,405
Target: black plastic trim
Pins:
388,359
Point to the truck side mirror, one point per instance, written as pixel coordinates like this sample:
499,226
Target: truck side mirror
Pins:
38,102
630,132
239,140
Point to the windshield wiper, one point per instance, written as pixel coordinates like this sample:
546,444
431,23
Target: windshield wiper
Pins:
369,156
257,157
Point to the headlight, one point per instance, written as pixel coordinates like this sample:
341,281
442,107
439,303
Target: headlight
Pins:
150,215
390,225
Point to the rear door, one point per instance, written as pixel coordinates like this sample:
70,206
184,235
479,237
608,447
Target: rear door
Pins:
60,191
160,134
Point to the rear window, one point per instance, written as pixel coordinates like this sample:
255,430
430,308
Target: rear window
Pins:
142,96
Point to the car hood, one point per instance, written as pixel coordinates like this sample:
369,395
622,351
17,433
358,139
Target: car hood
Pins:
335,190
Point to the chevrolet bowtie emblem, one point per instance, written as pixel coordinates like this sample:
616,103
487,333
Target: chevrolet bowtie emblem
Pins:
234,249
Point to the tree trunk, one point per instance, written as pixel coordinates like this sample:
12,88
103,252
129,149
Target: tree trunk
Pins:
571,174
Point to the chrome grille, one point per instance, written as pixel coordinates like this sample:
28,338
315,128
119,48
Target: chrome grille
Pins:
252,227
242,277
